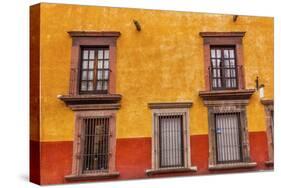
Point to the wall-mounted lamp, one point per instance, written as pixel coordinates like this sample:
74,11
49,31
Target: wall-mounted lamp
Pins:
259,87
137,24
234,18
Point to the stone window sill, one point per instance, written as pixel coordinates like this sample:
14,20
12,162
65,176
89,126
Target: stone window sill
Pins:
92,176
269,163
92,102
170,170
232,166
226,94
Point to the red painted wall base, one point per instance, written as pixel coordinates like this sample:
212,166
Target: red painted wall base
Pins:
133,158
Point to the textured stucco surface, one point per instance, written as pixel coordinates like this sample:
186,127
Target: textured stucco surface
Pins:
163,62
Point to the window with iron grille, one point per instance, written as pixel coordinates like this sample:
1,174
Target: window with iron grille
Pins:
170,140
95,142
223,69
94,74
228,138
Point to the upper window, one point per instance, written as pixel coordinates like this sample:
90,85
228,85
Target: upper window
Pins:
223,69
94,66
93,59
223,57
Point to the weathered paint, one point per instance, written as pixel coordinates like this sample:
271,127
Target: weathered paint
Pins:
163,62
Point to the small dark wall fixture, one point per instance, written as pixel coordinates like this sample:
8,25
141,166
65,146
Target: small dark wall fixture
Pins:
258,85
137,24
235,18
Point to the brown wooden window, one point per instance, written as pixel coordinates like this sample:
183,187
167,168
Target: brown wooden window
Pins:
95,140
170,140
228,138
223,69
93,63
94,74
223,59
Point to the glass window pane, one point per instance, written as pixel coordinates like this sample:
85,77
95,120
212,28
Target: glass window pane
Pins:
231,53
213,53
214,63
214,83
85,54
90,86
99,75
106,64
226,63
225,52
233,73
100,62
84,75
106,54
100,54
105,75
91,75
92,54
218,53
83,86
218,63
232,63
91,64
99,85
85,65
105,85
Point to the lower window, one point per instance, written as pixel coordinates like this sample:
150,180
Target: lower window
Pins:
94,145
171,147
95,142
228,138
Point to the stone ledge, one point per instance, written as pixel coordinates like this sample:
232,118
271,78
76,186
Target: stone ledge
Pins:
92,176
269,163
170,170
232,166
165,105
267,101
242,94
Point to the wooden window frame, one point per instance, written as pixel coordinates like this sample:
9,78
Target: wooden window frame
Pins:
78,144
230,106
223,39
180,108
222,69
95,71
92,39
269,109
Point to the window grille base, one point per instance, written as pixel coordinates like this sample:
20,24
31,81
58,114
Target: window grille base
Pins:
269,163
75,177
170,170
233,166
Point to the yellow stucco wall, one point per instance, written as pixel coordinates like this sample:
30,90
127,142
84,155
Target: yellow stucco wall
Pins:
163,62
